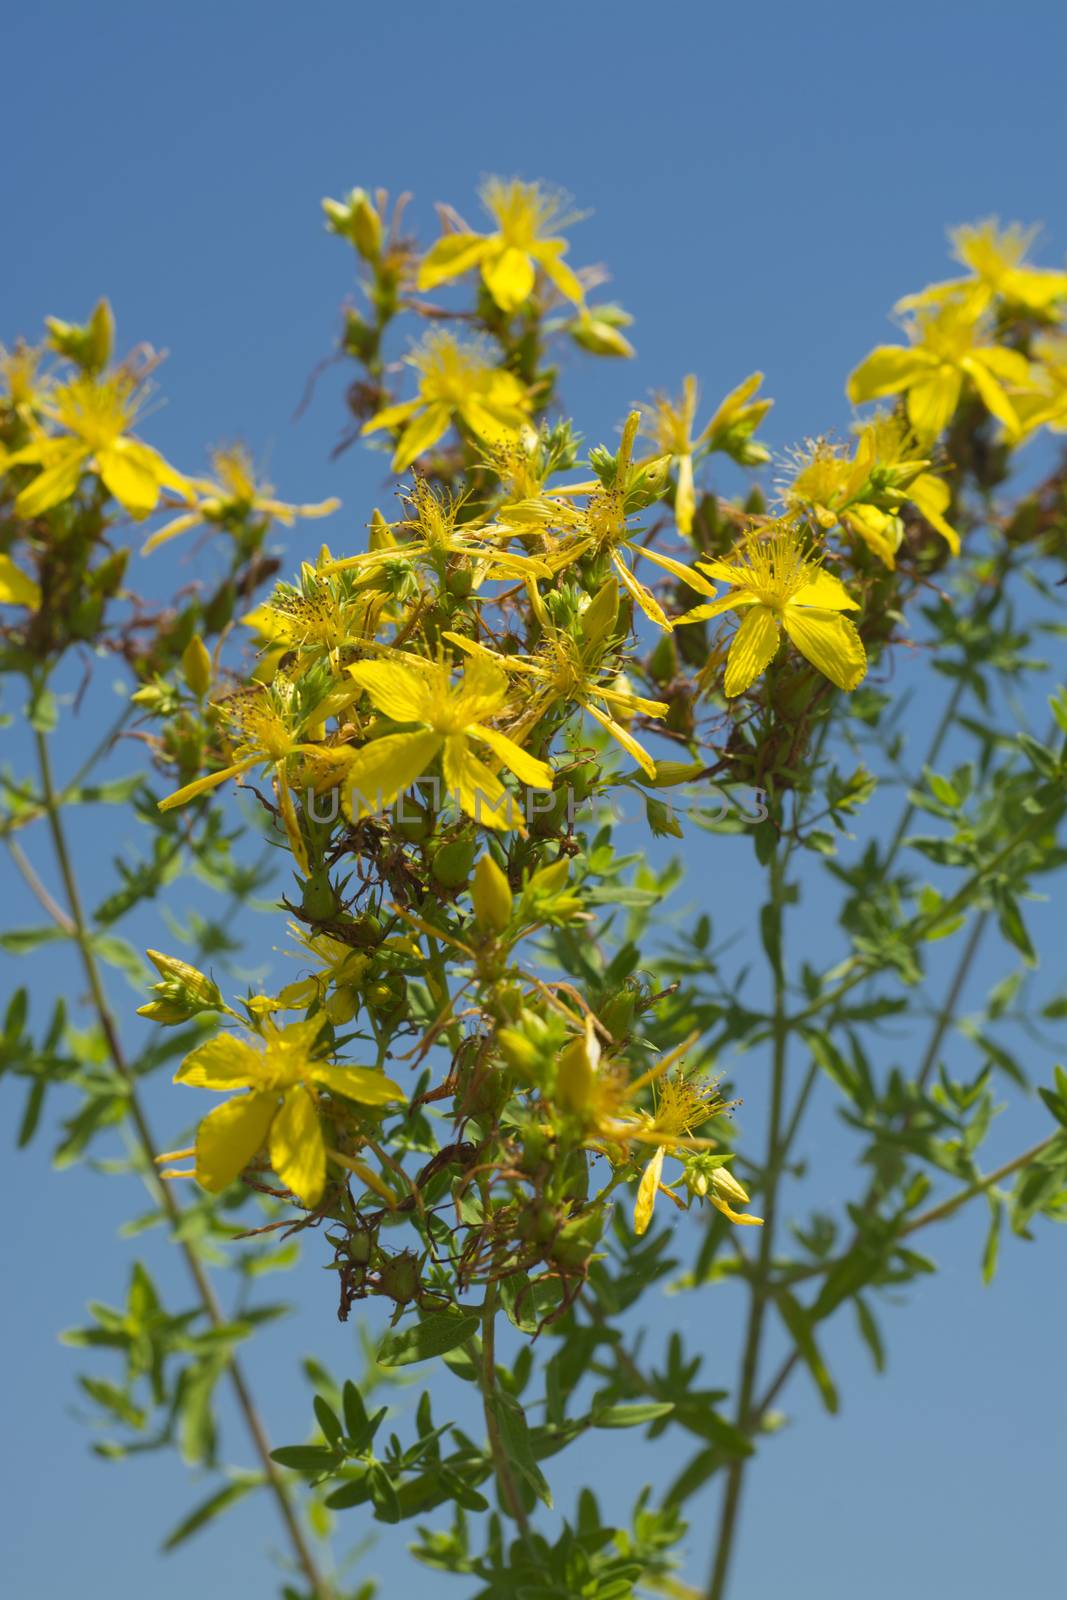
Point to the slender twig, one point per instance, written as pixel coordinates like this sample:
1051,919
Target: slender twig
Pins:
487,1378
205,1291
761,1273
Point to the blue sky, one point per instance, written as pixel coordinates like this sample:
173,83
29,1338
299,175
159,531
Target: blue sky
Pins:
762,183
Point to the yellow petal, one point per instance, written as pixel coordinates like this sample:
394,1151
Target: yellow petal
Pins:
364,1084
16,588
932,496
887,370
527,768
421,432
549,254
509,277
399,692
993,396
224,1062
297,1149
678,569
62,470
450,257
129,479
753,647
170,530
291,821
381,770
201,785
685,500
391,416
621,736
479,792
646,1192
932,403
483,691
827,592
644,597
740,1217
229,1137
830,642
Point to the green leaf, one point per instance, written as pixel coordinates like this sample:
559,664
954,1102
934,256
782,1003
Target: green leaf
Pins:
515,1438
433,1336
631,1416
209,1509
797,1322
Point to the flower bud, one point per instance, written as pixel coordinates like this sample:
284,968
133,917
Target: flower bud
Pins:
183,993
491,895
598,331
196,666
576,1071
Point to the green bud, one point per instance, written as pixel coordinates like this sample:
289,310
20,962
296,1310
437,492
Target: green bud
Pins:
452,862
196,666
491,895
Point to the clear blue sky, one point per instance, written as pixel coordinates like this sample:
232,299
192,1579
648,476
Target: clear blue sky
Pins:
763,183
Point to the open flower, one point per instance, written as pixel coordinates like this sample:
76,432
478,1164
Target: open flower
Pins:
440,540
669,424
449,720
947,349
777,585
281,1109
524,213
95,414
234,496
599,1095
457,382
567,670
997,259
866,490
268,728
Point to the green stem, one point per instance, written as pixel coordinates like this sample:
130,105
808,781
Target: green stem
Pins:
206,1293
761,1274
509,1492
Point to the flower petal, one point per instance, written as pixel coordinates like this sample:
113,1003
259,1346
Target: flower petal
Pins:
225,1062
830,642
230,1136
366,1085
479,792
400,692
549,255
932,403
826,592
646,1193
16,587
527,768
888,369
381,770
422,431
450,257
509,277
621,736
752,649
297,1148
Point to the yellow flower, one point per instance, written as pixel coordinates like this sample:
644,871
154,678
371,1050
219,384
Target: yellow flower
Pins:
449,720
16,587
457,382
997,259
233,497
947,349
95,413
268,732
24,388
599,1095
669,424
684,1104
441,544
282,1108
866,490
777,585
1045,405
524,213
600,527
567,670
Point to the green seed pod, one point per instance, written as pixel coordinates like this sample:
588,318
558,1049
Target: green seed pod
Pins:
452,862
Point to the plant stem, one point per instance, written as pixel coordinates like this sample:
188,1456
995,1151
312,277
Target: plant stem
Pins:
205,1291
508,1490
760,1279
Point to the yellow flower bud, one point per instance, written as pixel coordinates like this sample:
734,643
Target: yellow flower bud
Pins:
576,1071
196,666
491,895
